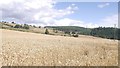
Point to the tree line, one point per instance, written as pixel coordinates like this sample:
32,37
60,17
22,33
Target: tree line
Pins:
103,32
25,26
106,32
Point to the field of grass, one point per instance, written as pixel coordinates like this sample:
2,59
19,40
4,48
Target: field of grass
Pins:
23,49
31,29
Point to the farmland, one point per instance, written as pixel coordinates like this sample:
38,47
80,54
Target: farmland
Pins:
24,48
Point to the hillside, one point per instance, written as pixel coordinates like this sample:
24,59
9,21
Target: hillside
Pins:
67,29
103,32
33,29
24,48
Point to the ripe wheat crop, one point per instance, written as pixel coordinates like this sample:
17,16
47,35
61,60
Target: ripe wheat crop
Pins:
23,49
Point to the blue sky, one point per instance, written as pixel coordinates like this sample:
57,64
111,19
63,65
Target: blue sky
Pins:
89,11
60,12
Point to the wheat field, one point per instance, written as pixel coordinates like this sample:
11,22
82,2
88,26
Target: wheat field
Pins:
31,49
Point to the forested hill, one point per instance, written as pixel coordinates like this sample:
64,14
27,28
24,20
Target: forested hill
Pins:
68,29
104,32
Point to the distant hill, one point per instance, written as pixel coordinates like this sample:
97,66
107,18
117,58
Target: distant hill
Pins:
103,32
68,29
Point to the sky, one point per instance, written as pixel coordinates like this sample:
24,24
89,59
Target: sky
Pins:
60,13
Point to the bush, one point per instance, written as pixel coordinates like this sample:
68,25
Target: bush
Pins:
56,31
13,22
34,26
26,26
46,31
39,27
75,35
17,26
64,35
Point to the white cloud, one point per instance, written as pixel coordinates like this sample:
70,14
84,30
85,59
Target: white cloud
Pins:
42,12
39,12
67,22
103,5
91,25
39,4
33,11
109,21
73,4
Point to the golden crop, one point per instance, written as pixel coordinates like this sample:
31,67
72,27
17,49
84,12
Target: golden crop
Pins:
23,49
